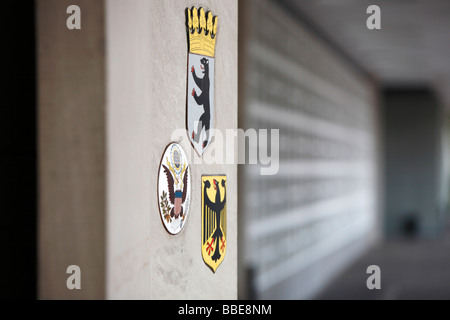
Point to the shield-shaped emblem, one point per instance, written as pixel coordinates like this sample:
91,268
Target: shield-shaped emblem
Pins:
202,32
214,220
174,188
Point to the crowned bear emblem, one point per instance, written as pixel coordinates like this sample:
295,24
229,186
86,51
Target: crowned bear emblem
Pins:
202,34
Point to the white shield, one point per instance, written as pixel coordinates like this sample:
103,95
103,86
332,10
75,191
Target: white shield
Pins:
200,101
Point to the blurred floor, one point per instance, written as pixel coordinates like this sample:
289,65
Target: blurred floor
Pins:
410,269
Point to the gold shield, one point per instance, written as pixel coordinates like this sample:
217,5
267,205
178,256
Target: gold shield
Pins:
214,220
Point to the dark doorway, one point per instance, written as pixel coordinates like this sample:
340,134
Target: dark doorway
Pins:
413,123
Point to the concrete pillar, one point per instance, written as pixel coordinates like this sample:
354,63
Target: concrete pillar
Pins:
72,158
147,72
110,96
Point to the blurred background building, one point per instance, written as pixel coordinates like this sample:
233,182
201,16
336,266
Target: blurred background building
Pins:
364,147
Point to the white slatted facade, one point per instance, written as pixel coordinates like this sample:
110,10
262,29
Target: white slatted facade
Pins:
323,198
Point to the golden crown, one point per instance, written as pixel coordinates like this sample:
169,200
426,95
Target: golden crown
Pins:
202,30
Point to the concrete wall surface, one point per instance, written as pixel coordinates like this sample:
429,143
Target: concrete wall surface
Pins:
147,71
302,226
110,96
71,133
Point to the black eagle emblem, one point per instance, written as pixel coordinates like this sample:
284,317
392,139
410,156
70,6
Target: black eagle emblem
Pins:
214,223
